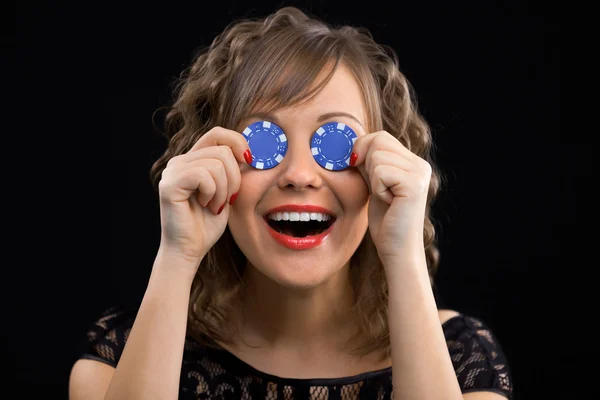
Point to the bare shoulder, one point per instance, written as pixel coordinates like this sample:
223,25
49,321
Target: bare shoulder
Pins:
446,315
89,379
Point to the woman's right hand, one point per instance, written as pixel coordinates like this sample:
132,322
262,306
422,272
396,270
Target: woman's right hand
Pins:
195,190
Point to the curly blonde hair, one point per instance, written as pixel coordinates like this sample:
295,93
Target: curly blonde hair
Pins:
278,61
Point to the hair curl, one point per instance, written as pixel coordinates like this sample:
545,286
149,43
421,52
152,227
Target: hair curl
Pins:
225,81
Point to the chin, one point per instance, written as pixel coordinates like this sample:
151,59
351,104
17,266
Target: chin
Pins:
301,274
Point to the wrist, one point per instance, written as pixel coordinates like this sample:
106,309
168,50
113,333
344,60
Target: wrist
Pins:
172,264
410,253
408,262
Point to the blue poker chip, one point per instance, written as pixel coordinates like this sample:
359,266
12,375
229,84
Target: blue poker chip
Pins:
267,143
332,145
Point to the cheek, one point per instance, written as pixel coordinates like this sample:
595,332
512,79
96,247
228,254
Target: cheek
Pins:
253,187
361,186
242,213
353,191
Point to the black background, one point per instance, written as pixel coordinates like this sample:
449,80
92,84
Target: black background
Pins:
90,75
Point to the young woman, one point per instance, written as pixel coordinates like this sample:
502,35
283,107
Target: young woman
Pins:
282,273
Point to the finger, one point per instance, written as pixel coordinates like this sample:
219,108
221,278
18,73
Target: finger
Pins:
213,193
226,156
218,136
381,140
177,185
383,157
376,156
386,182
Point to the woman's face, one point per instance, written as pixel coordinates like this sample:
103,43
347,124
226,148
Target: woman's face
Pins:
300,180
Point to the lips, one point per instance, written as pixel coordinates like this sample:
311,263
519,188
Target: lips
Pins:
299,243
302,242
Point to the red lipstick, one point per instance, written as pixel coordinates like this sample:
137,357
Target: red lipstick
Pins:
299,243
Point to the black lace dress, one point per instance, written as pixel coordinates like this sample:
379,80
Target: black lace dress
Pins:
209,373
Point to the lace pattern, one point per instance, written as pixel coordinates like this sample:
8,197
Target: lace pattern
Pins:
477,357
217,374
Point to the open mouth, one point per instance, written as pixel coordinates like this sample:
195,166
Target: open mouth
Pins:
300,228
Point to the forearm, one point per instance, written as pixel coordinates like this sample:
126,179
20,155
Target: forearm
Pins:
421,364
150,365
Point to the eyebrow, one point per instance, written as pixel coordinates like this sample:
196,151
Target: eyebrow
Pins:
323,117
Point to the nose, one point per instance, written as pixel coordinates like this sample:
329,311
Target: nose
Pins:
300,171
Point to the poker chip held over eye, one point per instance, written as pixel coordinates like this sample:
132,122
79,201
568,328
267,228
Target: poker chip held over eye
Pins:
267,143
332,144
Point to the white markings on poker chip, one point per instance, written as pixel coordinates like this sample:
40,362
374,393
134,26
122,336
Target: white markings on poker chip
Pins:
282,138
260,165
321,131
329,166
247,131
279,158
341,126
266,124
315,150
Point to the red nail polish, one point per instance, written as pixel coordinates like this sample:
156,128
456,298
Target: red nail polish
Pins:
248,156
353,158
221,209
233,197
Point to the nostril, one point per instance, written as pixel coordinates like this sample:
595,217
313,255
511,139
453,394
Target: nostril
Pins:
300,185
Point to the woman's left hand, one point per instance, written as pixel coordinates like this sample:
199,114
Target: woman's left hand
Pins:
398,182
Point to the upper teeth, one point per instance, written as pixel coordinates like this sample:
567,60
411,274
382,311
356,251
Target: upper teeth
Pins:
295,216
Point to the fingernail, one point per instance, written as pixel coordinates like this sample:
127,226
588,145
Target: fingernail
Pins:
353,158
221,209
233,197
248,156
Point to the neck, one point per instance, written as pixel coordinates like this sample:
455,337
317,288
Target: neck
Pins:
278,317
